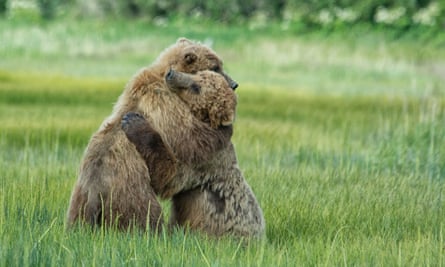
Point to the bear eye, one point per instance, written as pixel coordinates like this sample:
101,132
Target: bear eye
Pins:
196,89
216,69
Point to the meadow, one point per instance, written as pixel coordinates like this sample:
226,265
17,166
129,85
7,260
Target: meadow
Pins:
341,137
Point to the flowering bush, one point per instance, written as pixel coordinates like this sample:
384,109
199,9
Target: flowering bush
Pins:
258,13
384,12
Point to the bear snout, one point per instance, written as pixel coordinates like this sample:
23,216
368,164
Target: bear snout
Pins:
169,74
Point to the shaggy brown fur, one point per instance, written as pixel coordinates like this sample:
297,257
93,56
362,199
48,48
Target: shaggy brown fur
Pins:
222,203
114,186
211,195
198,92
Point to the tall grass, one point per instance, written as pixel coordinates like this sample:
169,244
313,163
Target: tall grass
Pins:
360,60
345,176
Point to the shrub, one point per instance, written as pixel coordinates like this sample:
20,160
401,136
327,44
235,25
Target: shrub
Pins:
47,8
394,13
3,7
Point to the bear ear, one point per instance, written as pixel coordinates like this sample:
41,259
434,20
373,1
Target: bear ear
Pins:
190,57
184,40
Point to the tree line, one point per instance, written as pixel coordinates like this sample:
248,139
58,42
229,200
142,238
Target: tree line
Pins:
310,13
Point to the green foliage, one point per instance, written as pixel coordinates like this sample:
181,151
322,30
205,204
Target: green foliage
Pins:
308,14
3,7
301,15
393,13
47,8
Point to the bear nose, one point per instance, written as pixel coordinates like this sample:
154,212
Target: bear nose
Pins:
170,74
234,85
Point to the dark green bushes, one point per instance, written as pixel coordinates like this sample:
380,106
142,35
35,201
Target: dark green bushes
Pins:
47,8
3,7
311,13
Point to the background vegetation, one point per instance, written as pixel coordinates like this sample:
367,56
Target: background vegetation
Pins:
340,133
307,14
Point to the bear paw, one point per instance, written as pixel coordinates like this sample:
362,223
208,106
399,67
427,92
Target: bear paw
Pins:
131,121
135,127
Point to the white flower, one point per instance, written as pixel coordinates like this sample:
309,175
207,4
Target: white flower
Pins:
389,15
428,15
325,17
345,14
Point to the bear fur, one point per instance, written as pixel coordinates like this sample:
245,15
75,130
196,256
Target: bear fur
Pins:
114,185
207,94
211,195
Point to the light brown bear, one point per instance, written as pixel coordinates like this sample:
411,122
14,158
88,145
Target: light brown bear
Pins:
212,195
114,185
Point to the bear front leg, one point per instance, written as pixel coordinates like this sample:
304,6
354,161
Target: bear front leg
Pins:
159,158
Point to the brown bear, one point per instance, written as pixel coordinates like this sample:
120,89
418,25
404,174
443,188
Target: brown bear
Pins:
209,98
114,186
211,195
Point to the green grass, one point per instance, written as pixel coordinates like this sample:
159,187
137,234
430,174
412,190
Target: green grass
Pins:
342,142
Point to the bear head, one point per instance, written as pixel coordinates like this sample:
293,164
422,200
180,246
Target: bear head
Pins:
190,57
208,94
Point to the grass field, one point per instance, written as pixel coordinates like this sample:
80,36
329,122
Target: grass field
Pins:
341,138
